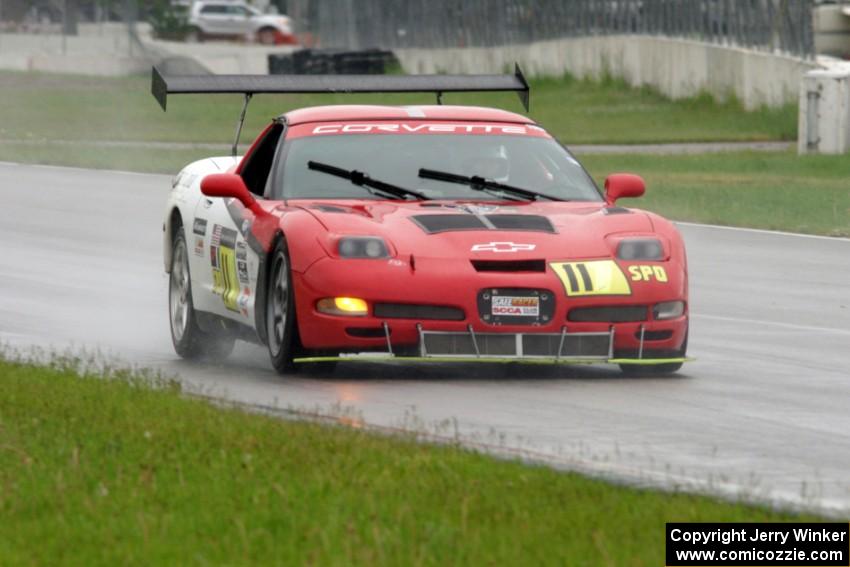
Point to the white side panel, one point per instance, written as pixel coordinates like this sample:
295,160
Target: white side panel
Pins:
824,122
223,266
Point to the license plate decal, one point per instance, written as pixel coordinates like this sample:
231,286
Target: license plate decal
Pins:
506,305
516,306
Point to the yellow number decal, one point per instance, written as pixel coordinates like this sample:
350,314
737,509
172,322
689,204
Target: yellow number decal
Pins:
223,260
596,277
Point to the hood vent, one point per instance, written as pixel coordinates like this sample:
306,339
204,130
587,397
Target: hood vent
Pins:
509,265
330,209
433,224
521,222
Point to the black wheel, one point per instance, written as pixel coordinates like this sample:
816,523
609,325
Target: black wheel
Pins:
266,36
656,369
281,327
189,340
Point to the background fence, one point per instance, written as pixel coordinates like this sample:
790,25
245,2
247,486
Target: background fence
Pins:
772,25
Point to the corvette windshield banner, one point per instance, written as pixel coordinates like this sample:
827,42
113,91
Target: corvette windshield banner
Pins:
416,127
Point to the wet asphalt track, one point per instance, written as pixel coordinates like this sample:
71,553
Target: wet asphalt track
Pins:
765,409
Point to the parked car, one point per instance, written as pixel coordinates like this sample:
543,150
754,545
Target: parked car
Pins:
238,20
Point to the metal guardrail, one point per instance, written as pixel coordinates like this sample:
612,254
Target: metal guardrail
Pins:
772,25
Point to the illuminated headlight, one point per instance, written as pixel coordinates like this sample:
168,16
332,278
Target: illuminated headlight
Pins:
640,249
668,310
351,306
369,247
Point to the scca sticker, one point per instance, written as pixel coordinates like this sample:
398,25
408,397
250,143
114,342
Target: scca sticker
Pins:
648,273
519,306
596,277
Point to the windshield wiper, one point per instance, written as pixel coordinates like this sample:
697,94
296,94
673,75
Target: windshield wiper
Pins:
362,179
482,184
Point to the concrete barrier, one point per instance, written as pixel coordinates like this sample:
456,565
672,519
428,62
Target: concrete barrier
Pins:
106,49
99,49
677,68
220,57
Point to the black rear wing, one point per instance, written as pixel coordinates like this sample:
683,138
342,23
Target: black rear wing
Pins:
249,85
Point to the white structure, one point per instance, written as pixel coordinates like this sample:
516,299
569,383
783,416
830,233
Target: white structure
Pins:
824,123
831,23
678,68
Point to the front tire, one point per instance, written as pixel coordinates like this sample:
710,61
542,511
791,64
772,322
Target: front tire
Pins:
189,340
281,327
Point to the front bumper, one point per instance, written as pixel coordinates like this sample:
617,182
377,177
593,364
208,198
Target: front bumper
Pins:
455,283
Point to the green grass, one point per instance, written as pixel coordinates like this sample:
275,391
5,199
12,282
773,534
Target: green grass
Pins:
114,472
776,191
67,107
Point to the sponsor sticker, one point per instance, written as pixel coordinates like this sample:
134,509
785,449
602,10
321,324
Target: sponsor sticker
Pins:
516,306
241,251
648,273
242,269
199,246
200,227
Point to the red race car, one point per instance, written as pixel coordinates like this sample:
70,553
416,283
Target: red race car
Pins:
440,233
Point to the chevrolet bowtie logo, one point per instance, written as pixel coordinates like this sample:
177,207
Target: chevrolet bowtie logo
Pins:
502,247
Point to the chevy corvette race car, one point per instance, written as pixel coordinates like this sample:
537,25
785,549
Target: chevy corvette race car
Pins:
427,232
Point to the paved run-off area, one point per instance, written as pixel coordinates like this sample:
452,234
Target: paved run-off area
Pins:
763,410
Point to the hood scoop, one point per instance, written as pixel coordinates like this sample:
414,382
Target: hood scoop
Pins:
434,224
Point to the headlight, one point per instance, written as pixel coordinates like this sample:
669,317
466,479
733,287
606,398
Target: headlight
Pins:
668,310
370,247
351,306
640,249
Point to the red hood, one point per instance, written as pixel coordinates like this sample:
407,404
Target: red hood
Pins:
579,228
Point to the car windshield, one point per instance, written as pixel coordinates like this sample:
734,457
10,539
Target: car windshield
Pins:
533,163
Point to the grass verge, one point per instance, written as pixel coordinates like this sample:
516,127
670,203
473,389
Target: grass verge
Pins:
70,107
116,472
774,191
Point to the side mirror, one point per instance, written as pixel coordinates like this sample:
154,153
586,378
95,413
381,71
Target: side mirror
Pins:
619,185
228,185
